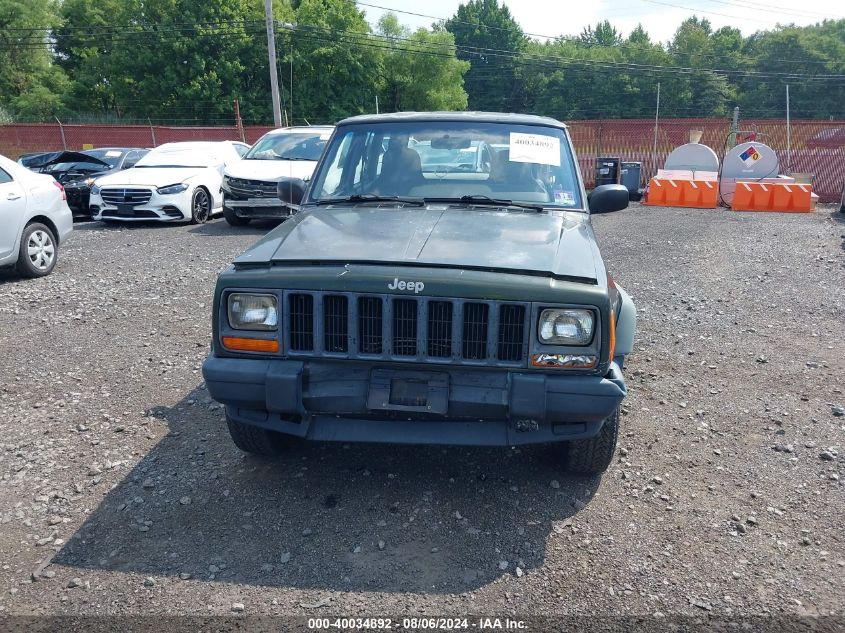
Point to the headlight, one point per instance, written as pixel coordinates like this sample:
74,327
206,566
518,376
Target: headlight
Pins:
95,190
88,182
253,312
171,189
566,327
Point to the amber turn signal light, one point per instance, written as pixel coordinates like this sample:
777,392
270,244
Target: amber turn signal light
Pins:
612,335
242,344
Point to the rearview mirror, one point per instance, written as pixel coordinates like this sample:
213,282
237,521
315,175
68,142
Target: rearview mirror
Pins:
607,198
451,142
291,190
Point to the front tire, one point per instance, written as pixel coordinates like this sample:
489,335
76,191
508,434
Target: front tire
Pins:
593,456
254,439
234,219
200,206
38,251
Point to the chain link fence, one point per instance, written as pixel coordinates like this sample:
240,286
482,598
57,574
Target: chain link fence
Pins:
817,147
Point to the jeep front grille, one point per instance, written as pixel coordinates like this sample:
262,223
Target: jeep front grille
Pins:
301,323
421,329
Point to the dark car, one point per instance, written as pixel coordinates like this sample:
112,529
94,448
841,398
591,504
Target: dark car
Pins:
76,171
34,160
429,306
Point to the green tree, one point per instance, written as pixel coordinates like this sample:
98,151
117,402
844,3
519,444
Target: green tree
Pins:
802,52
604,35
30,85
420,70
702,93
180,60
490,39
335,61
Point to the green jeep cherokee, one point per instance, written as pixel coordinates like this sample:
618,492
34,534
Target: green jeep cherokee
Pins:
441,284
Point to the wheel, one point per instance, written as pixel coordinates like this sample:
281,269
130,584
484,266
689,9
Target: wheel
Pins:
38,251
254,439
200,206
233,219
592,456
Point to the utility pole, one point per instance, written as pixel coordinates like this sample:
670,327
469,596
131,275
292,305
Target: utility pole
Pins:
271,55
788,135
239,122
734,127
656,116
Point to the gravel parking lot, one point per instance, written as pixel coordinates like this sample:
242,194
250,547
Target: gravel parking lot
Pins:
121,492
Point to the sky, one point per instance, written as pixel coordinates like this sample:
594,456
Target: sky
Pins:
660,18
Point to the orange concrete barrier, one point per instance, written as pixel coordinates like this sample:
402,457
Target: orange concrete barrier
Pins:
778,197
699,194
668,192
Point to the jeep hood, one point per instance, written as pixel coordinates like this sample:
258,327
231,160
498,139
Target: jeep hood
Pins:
555,243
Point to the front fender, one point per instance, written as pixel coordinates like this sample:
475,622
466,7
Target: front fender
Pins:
626,324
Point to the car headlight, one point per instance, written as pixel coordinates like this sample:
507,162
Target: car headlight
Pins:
95,190
559,326
88,182
171,189
253,311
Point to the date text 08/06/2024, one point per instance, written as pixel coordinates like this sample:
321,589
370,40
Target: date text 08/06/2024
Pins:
417,624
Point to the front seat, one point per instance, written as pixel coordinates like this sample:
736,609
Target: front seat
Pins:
512,176
401,169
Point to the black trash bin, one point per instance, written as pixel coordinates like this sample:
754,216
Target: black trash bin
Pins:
607,171
630,177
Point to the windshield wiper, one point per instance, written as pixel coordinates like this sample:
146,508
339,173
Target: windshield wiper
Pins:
371,197
487,200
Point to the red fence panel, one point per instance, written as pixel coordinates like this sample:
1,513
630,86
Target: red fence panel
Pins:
817,147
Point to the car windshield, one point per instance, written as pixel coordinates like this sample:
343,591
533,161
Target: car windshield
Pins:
178,158
450,161
110,156
289,146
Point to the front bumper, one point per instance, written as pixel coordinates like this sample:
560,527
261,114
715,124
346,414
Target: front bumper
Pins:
257,208
160,208
78,199
341,401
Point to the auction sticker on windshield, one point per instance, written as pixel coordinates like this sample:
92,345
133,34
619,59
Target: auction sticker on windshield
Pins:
535,148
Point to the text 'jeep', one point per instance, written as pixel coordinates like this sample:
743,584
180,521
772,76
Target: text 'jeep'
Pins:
440,285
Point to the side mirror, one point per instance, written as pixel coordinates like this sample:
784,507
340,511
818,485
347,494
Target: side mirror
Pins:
291,190
606,198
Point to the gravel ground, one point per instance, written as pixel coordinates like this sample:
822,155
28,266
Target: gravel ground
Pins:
122,494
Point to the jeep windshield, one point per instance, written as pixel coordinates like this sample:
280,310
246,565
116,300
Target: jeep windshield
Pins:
482,164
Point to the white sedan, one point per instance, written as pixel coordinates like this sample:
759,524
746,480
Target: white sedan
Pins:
173,183
34,219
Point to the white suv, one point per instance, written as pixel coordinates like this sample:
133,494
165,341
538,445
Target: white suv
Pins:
34,219
250,186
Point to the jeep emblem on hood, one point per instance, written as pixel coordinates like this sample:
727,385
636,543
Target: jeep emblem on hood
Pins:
416,286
